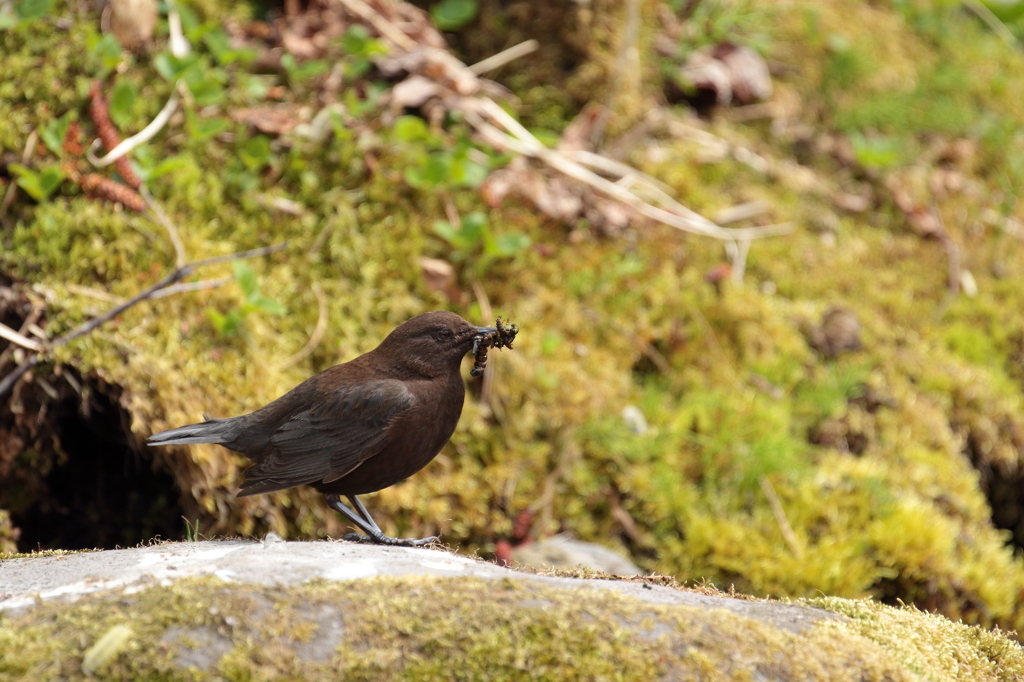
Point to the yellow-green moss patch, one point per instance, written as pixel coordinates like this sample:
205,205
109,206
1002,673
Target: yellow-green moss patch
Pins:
437,628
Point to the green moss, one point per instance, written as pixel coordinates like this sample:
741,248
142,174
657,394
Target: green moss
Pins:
745,401
389,628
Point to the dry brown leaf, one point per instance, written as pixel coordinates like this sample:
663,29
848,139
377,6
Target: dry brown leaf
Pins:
578,135
439,275
414,92
272,120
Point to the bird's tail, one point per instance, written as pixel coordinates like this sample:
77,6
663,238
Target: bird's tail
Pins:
221,431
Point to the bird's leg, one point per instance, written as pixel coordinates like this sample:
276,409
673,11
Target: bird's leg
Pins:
365,523
358,504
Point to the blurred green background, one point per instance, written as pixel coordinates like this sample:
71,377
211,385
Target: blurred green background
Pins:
846,420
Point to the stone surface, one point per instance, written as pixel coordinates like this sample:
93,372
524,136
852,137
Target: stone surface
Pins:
566,554
334,610
25,582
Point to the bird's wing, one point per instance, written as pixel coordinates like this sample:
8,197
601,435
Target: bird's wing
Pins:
331,438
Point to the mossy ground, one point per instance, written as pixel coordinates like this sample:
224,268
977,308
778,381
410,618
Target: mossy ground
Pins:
902,515
440,628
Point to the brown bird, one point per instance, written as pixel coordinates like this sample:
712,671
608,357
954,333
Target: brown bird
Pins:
358,427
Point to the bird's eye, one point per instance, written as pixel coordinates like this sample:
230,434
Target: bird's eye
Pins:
443,334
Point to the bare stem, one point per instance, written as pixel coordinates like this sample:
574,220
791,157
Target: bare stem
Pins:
148,293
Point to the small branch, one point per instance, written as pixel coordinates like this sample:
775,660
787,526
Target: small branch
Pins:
521,140
184,287
172,231
30,321
94,293
993,22
318,331
83,329
739,259
17,373
140,138
385,27
504,57
20,339
780,517
179,43
179,48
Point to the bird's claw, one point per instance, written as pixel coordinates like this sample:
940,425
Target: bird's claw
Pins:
388,540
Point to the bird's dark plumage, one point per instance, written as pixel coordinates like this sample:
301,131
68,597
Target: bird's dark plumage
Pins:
358,427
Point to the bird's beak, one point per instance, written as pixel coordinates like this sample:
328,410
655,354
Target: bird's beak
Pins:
482,333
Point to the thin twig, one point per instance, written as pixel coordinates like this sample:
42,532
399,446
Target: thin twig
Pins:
177,275
20,339
98,294
521,140
86,327
739,259
138,139
179,43
385,27
184,287
780,517
993,22
26,156
318,331
30,321
172,231
504,57
17,373
180,48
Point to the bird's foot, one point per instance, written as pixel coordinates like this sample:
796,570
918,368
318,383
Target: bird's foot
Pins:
388,540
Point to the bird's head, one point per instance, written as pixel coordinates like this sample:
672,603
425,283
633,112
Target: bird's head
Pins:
433,343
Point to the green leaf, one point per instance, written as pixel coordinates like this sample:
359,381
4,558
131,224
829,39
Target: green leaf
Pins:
201,129
269,306
444,230
510,244
28,10
410,129
53,133
205,82
436,168
172,68
38,185
451,15
256,87
225,325
468,173
219,45
121,102
108,52
168,165
50,179
358,43
247,280
474,226
255,153
307,69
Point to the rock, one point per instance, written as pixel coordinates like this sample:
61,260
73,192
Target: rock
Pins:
335,610
838,333
133,22
562,553
634,419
